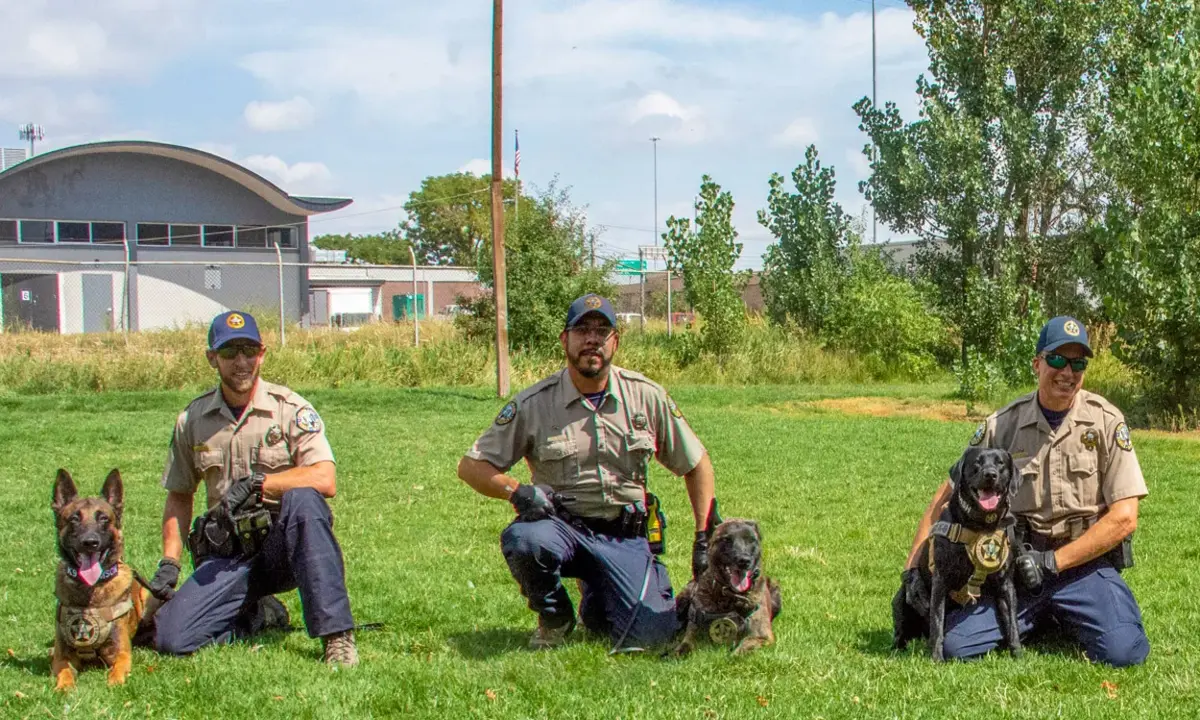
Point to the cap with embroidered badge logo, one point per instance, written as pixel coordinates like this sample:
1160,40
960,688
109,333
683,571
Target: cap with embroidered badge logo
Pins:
1063,330
232,325
590,303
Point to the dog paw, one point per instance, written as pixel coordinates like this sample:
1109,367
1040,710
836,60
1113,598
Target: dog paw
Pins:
64,684
681,650
1016,652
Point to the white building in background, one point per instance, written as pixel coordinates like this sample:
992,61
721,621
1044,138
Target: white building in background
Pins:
12,156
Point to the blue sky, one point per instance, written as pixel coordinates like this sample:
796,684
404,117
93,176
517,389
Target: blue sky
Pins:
364,98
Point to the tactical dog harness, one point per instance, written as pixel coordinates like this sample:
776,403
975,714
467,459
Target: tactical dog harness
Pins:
988,551
86,629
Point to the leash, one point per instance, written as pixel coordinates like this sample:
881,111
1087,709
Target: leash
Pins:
616,648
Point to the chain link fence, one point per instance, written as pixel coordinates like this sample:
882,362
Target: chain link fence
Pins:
69,296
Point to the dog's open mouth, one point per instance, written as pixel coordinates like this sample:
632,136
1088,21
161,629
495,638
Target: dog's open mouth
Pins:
88,565
740,580
988,499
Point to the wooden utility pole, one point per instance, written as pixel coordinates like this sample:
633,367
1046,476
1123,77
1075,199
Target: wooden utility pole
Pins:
499,280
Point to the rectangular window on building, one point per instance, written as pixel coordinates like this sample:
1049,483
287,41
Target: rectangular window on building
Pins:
108,233
8,232
74,232
251,236
283,236
218,236
185,235
37,231
153,234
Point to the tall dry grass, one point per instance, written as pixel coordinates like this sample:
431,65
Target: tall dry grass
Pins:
383,355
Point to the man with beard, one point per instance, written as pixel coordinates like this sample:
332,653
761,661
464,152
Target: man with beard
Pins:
254,445
1076,508
588,433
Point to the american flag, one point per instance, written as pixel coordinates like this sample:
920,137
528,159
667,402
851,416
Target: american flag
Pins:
517,154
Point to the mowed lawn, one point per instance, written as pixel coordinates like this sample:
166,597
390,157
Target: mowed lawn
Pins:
837,497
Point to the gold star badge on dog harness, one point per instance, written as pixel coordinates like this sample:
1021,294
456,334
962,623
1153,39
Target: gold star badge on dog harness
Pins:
988,551
86,629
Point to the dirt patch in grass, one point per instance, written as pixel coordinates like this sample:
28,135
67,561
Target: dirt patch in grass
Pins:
945,410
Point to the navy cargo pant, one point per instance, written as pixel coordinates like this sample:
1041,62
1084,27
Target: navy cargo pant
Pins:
1091,602
217,601
612,572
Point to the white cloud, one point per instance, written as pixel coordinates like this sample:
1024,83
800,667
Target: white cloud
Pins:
480,167
800,133
52,39
293,114
295,178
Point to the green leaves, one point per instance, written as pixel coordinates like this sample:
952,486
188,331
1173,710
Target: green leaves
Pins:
704,253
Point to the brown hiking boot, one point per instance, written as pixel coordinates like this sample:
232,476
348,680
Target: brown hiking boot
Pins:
546,636
340,650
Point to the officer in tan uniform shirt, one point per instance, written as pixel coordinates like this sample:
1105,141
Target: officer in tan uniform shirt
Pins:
1076,505
588,434
251,442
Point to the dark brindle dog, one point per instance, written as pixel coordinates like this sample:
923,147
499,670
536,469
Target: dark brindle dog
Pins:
99,605
970,553
731,601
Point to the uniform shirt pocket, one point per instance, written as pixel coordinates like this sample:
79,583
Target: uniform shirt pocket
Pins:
639,448
557,461
210,466
272,460
1083,475
1029,495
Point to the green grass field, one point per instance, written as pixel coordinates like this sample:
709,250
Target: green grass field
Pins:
837,497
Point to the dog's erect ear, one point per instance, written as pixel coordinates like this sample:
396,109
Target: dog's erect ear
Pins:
114,492
757,531
64,490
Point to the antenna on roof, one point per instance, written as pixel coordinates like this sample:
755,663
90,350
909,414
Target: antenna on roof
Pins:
31,132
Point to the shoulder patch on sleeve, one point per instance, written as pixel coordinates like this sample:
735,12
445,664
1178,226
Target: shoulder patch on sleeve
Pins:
1121,435
979,433
507,413
308,420
673,407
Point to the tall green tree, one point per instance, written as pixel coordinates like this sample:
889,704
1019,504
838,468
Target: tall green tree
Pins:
1144,262
704,253
997,167
386,248
807,266
548,264
450,217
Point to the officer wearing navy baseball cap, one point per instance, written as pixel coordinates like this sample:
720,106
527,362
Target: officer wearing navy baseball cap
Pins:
260,454
230,326
589,432
1076,506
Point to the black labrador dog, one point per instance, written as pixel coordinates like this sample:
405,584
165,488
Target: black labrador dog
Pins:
971,553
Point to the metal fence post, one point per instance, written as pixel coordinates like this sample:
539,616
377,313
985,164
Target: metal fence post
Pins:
282,321
416,308
125,293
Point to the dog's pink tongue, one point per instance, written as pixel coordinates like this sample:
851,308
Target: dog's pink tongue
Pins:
741,581
988,500
89,568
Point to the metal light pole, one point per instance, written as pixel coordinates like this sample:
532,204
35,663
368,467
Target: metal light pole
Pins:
416,308
875,148
31,132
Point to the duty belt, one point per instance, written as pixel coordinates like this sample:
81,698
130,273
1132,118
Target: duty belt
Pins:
86,629
616,527
988,551
1076,527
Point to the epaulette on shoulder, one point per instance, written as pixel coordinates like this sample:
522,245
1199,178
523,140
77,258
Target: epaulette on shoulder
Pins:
540,386
1101,403
201,397
636,376
1011,407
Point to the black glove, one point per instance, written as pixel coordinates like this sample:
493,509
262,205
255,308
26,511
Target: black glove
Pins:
533,502
1034,566
699,554
242,493
162,585
916,593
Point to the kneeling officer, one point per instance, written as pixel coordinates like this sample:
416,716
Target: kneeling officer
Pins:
261,452
588,433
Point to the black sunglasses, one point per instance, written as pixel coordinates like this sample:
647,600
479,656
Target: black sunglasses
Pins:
229,352
602,332
1058,362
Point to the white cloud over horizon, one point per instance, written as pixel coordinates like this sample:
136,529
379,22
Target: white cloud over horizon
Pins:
266,116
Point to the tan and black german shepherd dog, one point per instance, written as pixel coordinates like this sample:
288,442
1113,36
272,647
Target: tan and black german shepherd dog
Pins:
99,605
732,601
